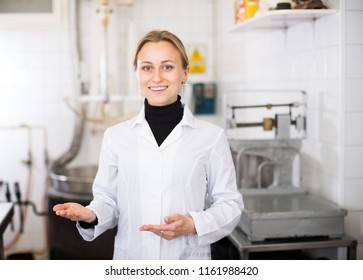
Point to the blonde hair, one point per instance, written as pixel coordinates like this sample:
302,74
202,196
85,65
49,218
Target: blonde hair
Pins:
162,35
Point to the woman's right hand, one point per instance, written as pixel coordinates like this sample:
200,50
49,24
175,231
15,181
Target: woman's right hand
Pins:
75,212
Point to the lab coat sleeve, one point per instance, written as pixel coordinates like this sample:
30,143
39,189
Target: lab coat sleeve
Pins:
104,203
226,203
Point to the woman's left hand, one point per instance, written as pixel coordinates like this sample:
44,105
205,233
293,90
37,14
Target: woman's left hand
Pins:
175,225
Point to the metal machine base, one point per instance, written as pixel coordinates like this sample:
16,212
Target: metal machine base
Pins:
273,216
245,247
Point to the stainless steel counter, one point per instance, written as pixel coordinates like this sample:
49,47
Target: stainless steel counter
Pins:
6,214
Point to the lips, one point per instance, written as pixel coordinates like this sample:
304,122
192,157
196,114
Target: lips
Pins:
158,88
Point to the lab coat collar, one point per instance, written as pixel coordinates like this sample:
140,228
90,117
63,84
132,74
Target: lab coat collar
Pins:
140,117
188,118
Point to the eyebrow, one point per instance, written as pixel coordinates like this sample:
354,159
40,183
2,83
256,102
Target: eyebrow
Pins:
168,60
164,61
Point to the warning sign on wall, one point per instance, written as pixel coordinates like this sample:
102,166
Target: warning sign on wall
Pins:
197,59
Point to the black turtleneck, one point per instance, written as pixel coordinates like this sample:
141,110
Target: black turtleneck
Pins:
163,119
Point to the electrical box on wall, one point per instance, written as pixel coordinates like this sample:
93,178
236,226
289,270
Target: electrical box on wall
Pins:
204,97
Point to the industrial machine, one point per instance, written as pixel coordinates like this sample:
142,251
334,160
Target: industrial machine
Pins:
268,161
74,184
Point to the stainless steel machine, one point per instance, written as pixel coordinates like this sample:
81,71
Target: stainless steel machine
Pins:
269,165
74,184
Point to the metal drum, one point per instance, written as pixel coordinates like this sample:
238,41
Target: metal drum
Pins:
65,243
74,180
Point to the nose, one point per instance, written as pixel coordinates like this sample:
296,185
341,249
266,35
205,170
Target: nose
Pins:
157,75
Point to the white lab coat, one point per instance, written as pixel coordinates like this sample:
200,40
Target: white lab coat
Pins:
140,183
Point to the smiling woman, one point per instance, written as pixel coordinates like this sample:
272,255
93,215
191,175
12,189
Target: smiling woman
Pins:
156,169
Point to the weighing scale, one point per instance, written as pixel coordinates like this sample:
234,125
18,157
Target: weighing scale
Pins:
268,171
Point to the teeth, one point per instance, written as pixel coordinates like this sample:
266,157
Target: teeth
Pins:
157,88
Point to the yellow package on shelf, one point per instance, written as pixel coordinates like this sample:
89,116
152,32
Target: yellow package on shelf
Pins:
245,9
251,8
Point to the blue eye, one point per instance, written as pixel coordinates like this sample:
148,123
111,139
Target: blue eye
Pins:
167,67
146,68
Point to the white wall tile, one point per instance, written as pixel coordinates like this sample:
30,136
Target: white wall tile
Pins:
354,162
329,127
17,41
330,187
354,95
328,92
354,131
35,42
327,63
353,194
320,157
326,31
354,61
313,125
354,27
300,37
354,4
4,39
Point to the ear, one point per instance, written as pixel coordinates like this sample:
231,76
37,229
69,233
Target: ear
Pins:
186,73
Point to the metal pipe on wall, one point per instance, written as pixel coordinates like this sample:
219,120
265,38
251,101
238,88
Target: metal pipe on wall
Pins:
105,10
29,163
79,125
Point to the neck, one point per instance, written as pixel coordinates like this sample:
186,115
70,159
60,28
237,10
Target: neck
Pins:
163,119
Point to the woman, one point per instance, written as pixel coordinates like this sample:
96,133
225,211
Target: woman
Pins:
157,169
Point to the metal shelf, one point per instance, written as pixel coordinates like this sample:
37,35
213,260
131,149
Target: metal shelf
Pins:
280,19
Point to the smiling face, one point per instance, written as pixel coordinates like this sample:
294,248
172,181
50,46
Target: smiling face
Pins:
160,72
